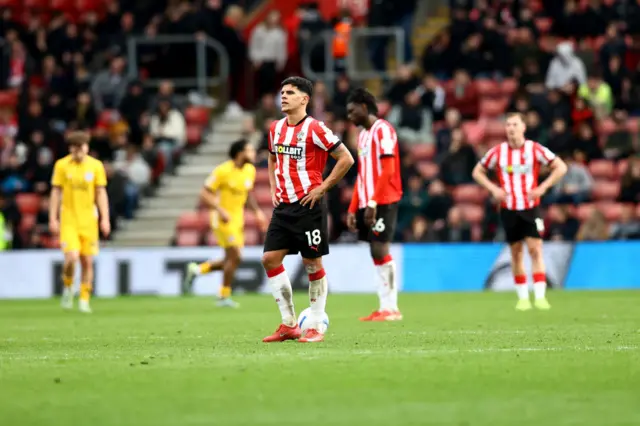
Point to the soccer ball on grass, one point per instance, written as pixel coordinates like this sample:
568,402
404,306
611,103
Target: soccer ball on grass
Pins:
306,320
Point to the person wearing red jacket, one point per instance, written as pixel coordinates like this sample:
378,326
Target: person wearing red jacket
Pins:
373,211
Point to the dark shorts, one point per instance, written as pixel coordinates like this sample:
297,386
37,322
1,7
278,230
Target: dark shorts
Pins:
521,224
383,229
299,229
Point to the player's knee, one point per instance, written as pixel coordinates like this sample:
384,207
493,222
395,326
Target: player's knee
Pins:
271,260
312,265
516,252
70,259
535,250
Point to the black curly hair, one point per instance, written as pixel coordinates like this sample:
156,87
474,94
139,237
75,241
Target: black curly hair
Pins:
363,96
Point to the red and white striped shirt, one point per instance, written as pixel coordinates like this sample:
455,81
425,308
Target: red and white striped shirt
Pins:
518,170
373,144
301,155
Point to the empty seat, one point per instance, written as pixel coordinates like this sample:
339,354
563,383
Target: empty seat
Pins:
197,115
469,193
211,239
494,129
603,169
622,166
493,108
543,24
584,211
263,198
27,223
428,170
611,210
189,221
606,190
423,151
188,238
28,203
194,135
262,176
476,232
508,86
474,131
251,237
606,127
487,88
632,125
472,213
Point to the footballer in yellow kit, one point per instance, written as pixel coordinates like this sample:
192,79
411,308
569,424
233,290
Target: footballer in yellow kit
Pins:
226,191
79,207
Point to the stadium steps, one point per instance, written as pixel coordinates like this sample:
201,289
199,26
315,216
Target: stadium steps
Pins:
155,221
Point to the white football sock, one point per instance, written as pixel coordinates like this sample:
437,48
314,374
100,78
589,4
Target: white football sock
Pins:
283,293
522,288
318,289
387,287
539,285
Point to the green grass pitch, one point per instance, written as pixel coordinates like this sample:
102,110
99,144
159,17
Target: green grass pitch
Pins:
456,359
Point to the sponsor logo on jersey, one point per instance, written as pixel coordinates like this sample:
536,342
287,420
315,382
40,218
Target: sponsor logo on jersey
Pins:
292,151
517,169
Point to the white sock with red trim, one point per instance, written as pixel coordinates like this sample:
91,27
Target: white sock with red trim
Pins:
283,293
522,289
539,285
318,289
387,288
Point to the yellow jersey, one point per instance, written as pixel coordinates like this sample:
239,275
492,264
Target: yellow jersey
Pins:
232,185
78,182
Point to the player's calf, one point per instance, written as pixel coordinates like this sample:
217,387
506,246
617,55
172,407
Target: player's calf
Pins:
68,273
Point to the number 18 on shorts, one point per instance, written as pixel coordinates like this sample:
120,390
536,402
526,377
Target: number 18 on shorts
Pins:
298,229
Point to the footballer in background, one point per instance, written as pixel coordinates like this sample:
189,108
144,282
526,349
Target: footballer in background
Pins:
225,192
79,206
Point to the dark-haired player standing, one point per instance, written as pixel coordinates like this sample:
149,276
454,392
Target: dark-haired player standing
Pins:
225,192
373,211
299,147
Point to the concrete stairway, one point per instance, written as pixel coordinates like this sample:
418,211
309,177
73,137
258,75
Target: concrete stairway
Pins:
155,221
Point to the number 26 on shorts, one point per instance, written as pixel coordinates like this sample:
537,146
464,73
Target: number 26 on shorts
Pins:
314,237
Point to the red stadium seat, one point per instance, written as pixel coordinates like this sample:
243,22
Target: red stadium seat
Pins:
543,24
188,238
28,203
606,127
263,198
204,219
476,232
623,165
474,131
197,115
632,125
611,210
428,170
603,169
251,237
508,87
584,211
470,193
493,108
8,98
262,175
472,213
88,5
423,151
64,5
36,4
13,4
27,223
606,190
189,221
494,129
194,135
487,88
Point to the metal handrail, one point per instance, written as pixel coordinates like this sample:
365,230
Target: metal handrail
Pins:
201,81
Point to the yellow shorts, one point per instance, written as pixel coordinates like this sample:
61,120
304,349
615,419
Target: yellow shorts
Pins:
86,243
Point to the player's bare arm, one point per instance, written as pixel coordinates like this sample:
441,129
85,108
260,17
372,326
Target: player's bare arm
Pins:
271,164
54,209
344,161
102,201
210,199
252,203
479,174
558,170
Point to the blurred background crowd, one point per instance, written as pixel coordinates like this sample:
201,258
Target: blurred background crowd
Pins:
571,68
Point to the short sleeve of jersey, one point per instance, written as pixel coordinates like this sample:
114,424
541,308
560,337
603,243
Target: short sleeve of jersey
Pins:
215,179
58,174
388,140
101,176
543,154
490,159
323,137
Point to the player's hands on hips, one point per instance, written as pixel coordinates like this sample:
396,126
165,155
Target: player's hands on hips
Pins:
313,197
54,226
262,222
274,199
537,192
499,194
105,226
369,216
351,222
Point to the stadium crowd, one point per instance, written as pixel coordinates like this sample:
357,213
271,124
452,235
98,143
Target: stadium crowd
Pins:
570,67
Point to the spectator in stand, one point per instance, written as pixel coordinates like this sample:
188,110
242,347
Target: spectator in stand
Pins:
575,186
42,216
628,228
420,231
581,114
562,225
557,106
525,49
439,202
629,98
134,106
532,79
565,67
437,58
614,75
413,203
110,86
535,130
169,131
598,94
268,52
340,95
630,183
619,144
432,96
116,184
405,83
463,95
412,121
560,139
14,179
586,142
520,103
82,115
458,164
455,229
10,213
138,175
267,109
595,228
614,44
42,171
496,52
452,121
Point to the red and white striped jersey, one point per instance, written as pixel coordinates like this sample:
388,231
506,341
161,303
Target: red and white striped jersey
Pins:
373,144
301,155
518,170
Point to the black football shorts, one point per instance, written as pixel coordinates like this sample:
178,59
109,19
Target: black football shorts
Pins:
384,226
521,224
